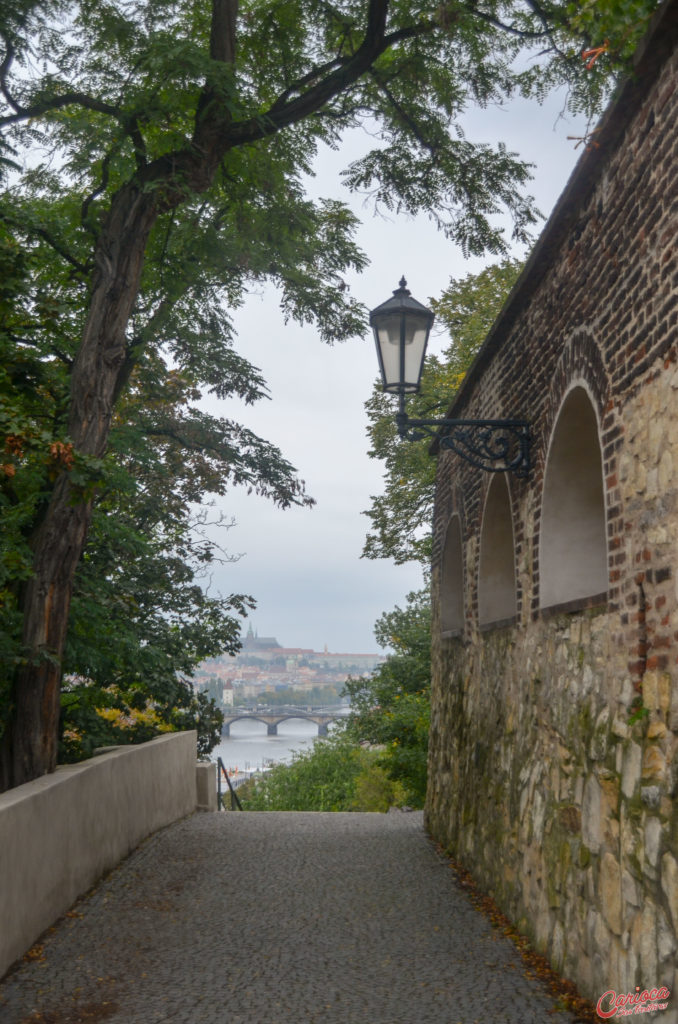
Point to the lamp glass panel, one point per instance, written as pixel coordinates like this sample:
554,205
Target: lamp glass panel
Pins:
388,340
415,347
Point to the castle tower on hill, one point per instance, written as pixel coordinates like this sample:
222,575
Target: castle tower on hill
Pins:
253,643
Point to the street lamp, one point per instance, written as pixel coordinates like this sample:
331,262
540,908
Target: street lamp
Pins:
401,328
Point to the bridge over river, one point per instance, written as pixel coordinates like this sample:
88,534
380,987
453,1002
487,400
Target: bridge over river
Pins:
273,717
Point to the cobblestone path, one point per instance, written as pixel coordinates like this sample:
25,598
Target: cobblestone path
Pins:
278,919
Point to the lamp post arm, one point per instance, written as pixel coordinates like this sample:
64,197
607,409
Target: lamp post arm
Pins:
495,446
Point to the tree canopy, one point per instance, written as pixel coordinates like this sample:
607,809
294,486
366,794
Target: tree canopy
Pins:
390,709
154,156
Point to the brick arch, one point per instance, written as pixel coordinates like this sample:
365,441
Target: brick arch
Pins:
497,557
572,518
580,362
448,500
453,589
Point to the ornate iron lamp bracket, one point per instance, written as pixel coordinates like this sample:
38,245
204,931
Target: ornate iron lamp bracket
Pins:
401,328
495,446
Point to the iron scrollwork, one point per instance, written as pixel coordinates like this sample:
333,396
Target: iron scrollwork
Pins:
495,446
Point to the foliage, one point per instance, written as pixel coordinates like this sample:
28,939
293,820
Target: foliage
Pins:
391,708
139,613
320,779
336,774
401,515
614,25
375,791
95,716
637,712
141,618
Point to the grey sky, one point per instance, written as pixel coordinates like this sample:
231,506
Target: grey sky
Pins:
303,566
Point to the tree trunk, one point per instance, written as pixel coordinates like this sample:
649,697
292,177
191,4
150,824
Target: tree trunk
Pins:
31,737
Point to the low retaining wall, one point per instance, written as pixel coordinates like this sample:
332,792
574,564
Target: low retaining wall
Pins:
59,834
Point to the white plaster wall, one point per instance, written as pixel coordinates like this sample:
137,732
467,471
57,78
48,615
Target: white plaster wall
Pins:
59,834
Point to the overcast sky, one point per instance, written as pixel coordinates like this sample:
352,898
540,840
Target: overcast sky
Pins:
303,566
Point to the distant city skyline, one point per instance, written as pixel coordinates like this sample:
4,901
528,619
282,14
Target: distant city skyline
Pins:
264,665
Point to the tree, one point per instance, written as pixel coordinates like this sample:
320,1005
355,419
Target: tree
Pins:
139,621
401,516
391,707
320,779
176,137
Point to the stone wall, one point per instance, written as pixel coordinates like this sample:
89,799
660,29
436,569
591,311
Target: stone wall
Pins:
554,741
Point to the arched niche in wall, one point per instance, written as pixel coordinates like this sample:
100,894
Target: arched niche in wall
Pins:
572,536
452,580
497,569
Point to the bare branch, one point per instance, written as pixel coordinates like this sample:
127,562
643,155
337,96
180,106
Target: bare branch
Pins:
548,27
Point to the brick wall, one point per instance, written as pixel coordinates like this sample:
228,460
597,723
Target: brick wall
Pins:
558,797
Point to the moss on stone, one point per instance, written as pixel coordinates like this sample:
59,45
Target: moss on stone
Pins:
634,807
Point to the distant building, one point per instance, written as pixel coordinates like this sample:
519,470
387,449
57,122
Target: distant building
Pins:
260,645
263,663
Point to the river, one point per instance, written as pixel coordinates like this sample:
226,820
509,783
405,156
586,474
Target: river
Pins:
249,748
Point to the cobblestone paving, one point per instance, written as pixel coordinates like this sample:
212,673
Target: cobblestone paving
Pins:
278,919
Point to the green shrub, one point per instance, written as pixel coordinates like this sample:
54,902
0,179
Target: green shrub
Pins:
320,779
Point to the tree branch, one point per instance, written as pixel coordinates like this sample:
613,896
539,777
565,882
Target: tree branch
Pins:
307,79
88,200
134,131
403,114
276,117
48,237
411,32
472,7
4,70
57,102
223,30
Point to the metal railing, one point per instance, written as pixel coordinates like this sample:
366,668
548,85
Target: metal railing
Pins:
235,802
